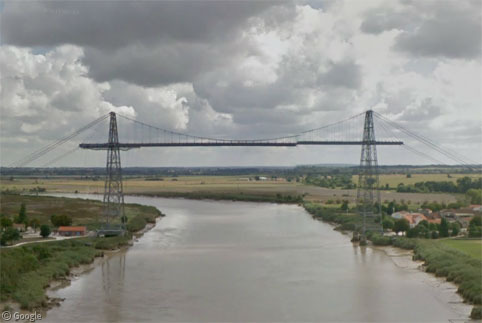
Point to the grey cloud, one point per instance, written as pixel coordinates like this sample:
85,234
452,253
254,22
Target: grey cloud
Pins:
454,35
115,24
431,28
382,19
345,74
153,65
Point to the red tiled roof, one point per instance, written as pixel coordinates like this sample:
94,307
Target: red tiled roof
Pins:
69,229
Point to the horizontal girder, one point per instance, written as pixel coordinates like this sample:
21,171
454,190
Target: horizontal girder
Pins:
235,143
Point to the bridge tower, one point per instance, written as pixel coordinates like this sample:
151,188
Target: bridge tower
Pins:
113,188
368,194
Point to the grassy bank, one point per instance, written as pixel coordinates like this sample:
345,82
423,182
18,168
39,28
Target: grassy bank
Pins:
246,197
83,212
456,260
27,271
344,220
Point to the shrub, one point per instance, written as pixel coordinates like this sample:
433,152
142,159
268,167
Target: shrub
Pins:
379,240
476,313
45,230
61,220
401,225
10,234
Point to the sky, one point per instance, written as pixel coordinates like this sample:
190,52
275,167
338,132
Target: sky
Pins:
240,69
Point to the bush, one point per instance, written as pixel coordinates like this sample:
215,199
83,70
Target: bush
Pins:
475,227
387,223
27,270
10,234
45,230
379,240
476,313
112,243
401,225
61,220
136,223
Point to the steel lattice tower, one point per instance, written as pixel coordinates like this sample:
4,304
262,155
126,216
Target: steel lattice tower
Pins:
113,189
368,194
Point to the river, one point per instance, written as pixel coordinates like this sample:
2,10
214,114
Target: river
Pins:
236,261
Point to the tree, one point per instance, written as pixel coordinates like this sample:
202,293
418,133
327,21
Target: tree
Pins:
22,214
5,222
401,225
344,205
387,223
60,220
455,229
474,195
45,230
10,234
444,228
475,227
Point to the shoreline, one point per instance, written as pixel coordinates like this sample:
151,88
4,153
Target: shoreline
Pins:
74,272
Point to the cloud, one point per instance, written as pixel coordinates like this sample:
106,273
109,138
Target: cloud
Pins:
240,70
449,29
114,24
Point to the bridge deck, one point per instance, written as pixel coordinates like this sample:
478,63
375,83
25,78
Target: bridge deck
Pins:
100,146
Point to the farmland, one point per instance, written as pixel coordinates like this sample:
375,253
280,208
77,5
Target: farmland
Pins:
215,185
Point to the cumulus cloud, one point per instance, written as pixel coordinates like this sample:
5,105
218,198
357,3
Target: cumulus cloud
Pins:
450,29
241,70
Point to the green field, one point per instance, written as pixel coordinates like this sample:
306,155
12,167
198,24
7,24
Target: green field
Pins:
227,185
82,212
470,247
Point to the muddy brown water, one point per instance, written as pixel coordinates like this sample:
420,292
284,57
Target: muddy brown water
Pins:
238,262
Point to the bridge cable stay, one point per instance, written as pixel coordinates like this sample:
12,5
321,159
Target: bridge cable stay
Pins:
76,148
201,138
411,149
46,149
453,156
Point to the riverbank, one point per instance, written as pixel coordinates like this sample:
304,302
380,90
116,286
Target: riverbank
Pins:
220,196
26,271
438,258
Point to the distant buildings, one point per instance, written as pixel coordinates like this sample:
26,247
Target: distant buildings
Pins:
412,218
72,231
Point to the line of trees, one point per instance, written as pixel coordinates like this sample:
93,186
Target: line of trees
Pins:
344,181
462,185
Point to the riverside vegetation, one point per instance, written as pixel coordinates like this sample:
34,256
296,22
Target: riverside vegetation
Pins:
26,271
458,261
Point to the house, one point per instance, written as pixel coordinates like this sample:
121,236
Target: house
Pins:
72,231
426,212
476,207
19,226
417,218
412,218
435,221
399,215
464,221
